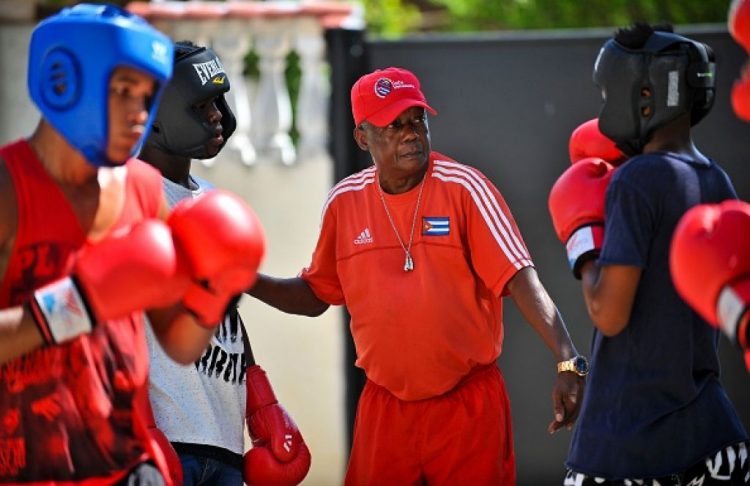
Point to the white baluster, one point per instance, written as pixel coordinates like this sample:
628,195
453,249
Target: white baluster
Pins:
272,111
312,104
231,43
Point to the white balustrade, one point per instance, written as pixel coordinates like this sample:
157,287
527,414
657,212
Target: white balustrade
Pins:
272,109
263,106
314,93
232,49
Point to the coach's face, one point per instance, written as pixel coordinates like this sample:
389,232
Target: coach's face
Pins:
401,148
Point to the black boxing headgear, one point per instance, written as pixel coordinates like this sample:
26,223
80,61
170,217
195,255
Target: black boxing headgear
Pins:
647,87
180,128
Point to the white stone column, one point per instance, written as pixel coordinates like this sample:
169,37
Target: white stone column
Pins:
272,110
314,93
232,42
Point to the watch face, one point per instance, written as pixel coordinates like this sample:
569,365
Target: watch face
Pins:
581,365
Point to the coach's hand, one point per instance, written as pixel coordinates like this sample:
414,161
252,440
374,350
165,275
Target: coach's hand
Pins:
567,396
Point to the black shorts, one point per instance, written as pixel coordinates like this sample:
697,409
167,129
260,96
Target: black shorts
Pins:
729,466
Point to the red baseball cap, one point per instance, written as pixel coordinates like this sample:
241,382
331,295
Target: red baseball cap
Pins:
381,96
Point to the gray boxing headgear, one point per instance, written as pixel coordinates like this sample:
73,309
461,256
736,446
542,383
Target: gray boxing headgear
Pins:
678,72
178,127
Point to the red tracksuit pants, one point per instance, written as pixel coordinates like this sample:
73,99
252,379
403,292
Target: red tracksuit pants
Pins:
462,437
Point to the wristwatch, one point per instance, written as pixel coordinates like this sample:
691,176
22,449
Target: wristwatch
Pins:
577,364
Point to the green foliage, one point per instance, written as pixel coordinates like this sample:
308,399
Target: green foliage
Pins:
293,76
385,19
390,18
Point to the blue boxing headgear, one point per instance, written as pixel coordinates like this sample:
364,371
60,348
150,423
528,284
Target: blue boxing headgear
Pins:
71,59
647,87
179,128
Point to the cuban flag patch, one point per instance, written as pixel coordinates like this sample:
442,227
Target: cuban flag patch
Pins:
436,225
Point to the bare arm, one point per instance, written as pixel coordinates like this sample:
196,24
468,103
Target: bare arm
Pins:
163,209
609,293
540,312
183,338
18,333
180,334
290,295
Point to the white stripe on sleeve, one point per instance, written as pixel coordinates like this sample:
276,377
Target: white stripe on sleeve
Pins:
488,206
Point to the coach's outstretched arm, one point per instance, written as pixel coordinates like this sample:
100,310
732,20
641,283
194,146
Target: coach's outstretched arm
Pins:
542,314
290,295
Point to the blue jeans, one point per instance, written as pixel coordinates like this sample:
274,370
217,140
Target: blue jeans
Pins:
202,471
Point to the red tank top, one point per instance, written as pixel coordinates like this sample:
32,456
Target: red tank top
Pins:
66,411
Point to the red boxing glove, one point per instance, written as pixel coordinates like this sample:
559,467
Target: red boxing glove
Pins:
741,96
576,204
133,269
587,141
169,464
279,456
222,239
739,27
710,265
739,22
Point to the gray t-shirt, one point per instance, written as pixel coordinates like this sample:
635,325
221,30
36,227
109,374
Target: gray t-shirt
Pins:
202,403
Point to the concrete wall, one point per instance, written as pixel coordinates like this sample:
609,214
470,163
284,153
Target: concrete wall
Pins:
507,104
19,116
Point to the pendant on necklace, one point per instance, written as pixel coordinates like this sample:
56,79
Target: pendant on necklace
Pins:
408,263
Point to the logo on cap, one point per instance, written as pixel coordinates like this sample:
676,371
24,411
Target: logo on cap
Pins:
383,87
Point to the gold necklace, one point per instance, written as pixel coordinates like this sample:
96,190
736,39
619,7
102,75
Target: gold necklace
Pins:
409,261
